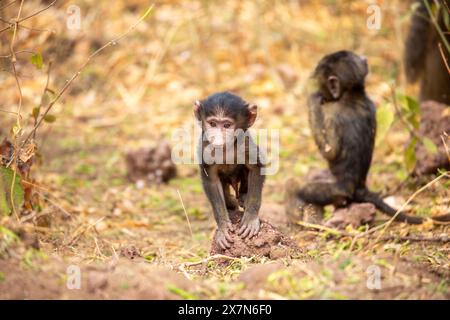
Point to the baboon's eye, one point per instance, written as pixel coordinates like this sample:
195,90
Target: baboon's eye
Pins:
227,125
212,124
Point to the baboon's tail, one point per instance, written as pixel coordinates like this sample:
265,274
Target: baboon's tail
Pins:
365,195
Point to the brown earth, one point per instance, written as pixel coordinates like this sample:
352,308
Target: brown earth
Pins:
269,242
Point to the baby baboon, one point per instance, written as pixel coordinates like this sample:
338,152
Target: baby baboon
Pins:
225,119
343,122
423,59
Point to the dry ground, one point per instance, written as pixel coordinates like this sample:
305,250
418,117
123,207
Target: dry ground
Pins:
135,242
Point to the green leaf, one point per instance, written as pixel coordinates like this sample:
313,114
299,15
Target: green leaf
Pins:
35,112
429,146
385,118
7,238
182,293
9,234
413,105
36,59
344,264
446,19
410,155
6,184
411,109
16,129
49,118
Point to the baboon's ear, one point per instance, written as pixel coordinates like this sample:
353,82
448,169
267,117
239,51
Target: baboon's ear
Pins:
334,86
252,112
197,107
364,66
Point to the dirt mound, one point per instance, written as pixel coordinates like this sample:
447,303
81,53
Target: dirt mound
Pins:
121,279
255,277
434,121
269,242
153,165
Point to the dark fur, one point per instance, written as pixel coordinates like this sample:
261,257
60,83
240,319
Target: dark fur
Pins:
344,129
423,59
245,179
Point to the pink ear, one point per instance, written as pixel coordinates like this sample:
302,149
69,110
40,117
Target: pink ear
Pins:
197,106
252,112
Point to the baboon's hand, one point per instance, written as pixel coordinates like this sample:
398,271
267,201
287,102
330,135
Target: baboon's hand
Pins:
223,235
249,226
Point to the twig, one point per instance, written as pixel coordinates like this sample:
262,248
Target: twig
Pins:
9,112
19,20
10,25
34,185
16,53
206,260
443,57
324,228
15,157
339,233
182,266
436,25
383,226
402,119
445,145
441,238
76,74
398,187
66,213
185,213
446,6
78,234
37,12
42,97
8,4
388,223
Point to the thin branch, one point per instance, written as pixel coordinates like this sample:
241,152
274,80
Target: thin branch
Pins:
185,213
385,225
182,266
66,213
37,12
15,158
389,222
5,21
9,112
10,25
206,260
338,233
402,119
82,230
443,57
42,97
76,74
436,25
8,4
445,145
446,5
19,20
324,228
17,52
